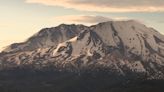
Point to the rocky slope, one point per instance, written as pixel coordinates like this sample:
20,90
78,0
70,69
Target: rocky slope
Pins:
127,48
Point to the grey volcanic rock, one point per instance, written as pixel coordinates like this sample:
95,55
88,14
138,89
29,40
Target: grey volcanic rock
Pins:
124,47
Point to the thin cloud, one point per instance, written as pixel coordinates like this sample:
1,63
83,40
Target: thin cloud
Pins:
107,5
85,19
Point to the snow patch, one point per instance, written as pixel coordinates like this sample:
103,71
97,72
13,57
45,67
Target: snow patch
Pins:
74,39
59,45
89,53
64,44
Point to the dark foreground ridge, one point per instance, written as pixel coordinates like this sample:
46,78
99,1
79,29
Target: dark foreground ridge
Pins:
25,80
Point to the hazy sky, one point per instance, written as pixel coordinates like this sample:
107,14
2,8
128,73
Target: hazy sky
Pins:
20,19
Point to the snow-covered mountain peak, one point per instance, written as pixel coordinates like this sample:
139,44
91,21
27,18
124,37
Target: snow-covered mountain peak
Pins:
121,46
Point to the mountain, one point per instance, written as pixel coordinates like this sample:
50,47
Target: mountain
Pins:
126,48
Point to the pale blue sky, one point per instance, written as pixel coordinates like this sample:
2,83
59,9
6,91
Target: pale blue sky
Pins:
20,20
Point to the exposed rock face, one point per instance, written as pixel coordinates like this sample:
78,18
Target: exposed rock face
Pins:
124,47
